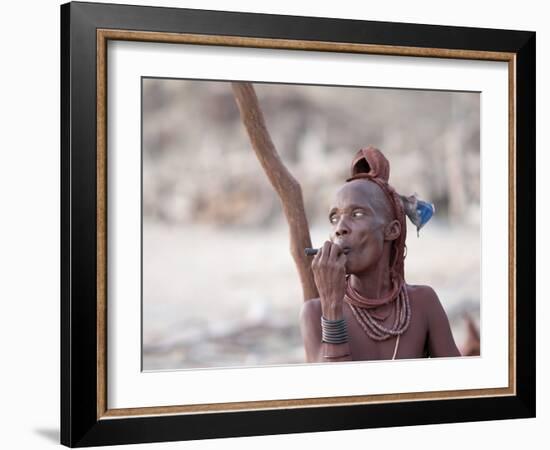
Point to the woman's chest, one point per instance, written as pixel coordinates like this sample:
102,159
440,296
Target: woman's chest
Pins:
412,342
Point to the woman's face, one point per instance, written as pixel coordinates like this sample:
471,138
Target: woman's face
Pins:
360,217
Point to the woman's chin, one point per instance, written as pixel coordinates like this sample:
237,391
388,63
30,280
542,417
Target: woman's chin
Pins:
351,269
356,269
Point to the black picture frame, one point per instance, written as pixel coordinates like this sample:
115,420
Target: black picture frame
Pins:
81,423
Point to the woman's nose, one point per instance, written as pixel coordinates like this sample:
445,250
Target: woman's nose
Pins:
341,228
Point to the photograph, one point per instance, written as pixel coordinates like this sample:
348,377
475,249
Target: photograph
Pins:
293,224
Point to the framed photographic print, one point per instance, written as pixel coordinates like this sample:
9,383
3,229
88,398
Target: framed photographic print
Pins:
279,224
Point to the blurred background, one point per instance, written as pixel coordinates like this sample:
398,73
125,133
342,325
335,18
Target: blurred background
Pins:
220,288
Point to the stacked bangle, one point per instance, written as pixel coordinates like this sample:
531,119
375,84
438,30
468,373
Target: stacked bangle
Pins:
334,331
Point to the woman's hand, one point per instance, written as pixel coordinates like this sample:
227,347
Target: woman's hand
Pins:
329,272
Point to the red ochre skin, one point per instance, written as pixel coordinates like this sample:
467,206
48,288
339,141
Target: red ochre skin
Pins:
361,219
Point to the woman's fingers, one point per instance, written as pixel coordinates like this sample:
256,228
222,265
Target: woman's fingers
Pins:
329,252
336,251
325,252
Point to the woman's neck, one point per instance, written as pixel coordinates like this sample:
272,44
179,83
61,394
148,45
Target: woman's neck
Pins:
374,282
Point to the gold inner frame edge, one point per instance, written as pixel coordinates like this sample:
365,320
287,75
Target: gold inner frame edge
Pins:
104,35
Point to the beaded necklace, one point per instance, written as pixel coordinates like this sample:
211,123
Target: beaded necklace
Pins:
371,324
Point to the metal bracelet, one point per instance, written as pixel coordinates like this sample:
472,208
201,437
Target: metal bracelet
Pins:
334,331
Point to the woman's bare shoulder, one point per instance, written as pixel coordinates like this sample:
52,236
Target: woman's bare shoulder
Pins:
424,299
422,295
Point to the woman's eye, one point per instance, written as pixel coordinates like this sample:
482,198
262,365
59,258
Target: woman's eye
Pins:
358,213
333,218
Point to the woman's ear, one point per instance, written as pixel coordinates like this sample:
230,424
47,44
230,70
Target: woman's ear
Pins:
393,230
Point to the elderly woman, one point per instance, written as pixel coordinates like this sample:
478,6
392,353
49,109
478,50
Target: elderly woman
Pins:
365,309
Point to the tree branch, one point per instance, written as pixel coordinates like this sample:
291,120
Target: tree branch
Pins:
286,186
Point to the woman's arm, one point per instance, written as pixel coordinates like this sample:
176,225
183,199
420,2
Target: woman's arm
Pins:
440,337
316,350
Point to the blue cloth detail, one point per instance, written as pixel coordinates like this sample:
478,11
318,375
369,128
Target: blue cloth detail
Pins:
425,212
